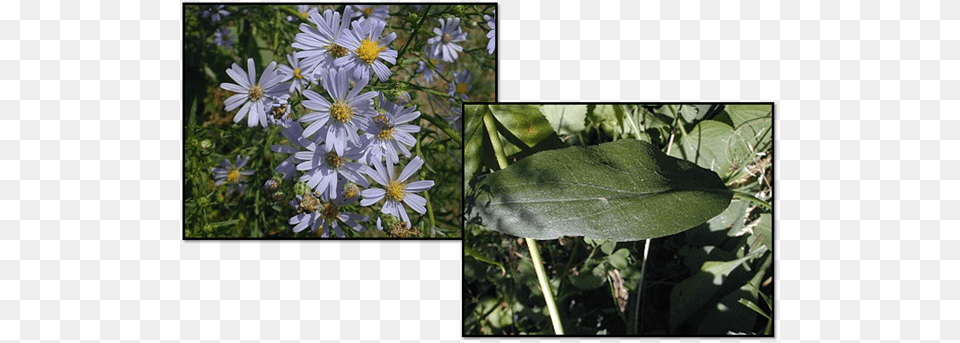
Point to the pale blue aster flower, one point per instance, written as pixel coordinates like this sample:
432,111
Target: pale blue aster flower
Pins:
431,68
222,37
386,134
255,97
294,72
216,13
305,12
397,189
338,121
317,211
492,35
462,83
293,134
444,44
324,167
232,174
368,50
371,12
318,50
456,119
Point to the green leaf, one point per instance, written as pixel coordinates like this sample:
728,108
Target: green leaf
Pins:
742,113
763,232
591,276
623,191
706,146
474,135
732,215
565,119
523,121
483,258
619,259
748,140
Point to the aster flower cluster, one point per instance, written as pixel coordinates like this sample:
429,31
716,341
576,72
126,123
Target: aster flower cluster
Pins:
338,102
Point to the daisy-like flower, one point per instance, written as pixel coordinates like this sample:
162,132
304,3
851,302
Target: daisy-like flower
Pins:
455,120
232,174
386,134
319,211
294,136
492,35
448,35
431,70
318,50
462,83
339,121
305,12
370,12
397,189
294,72
255,97
223,38
369,50
324,168
216,13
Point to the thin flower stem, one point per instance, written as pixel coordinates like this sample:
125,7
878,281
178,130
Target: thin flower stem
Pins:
413,34
442,124
643,269
636,131
531,244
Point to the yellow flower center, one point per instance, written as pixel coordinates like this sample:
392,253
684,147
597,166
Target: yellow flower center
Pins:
233,176
296,73
256,92
380,119
334,160
368,11
461,88
337,51
279,111
303,15
446,38
329,211
369,50
341,112
433,61
395,190
309,203
386,133
351,191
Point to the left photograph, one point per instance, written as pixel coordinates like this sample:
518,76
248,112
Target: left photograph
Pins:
330,121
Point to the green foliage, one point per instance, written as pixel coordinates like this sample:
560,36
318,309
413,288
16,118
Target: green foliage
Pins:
713,279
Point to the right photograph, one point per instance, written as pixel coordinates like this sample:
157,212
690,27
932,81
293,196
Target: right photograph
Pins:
618,219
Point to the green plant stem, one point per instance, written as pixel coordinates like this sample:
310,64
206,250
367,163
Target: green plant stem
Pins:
442,124
531,244
413,34
636,131
762,204
495,139
545,285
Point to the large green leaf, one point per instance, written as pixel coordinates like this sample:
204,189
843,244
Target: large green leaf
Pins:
742,113
706,146
523,121
623,191
565,119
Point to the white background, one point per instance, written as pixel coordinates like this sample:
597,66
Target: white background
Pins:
867,161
